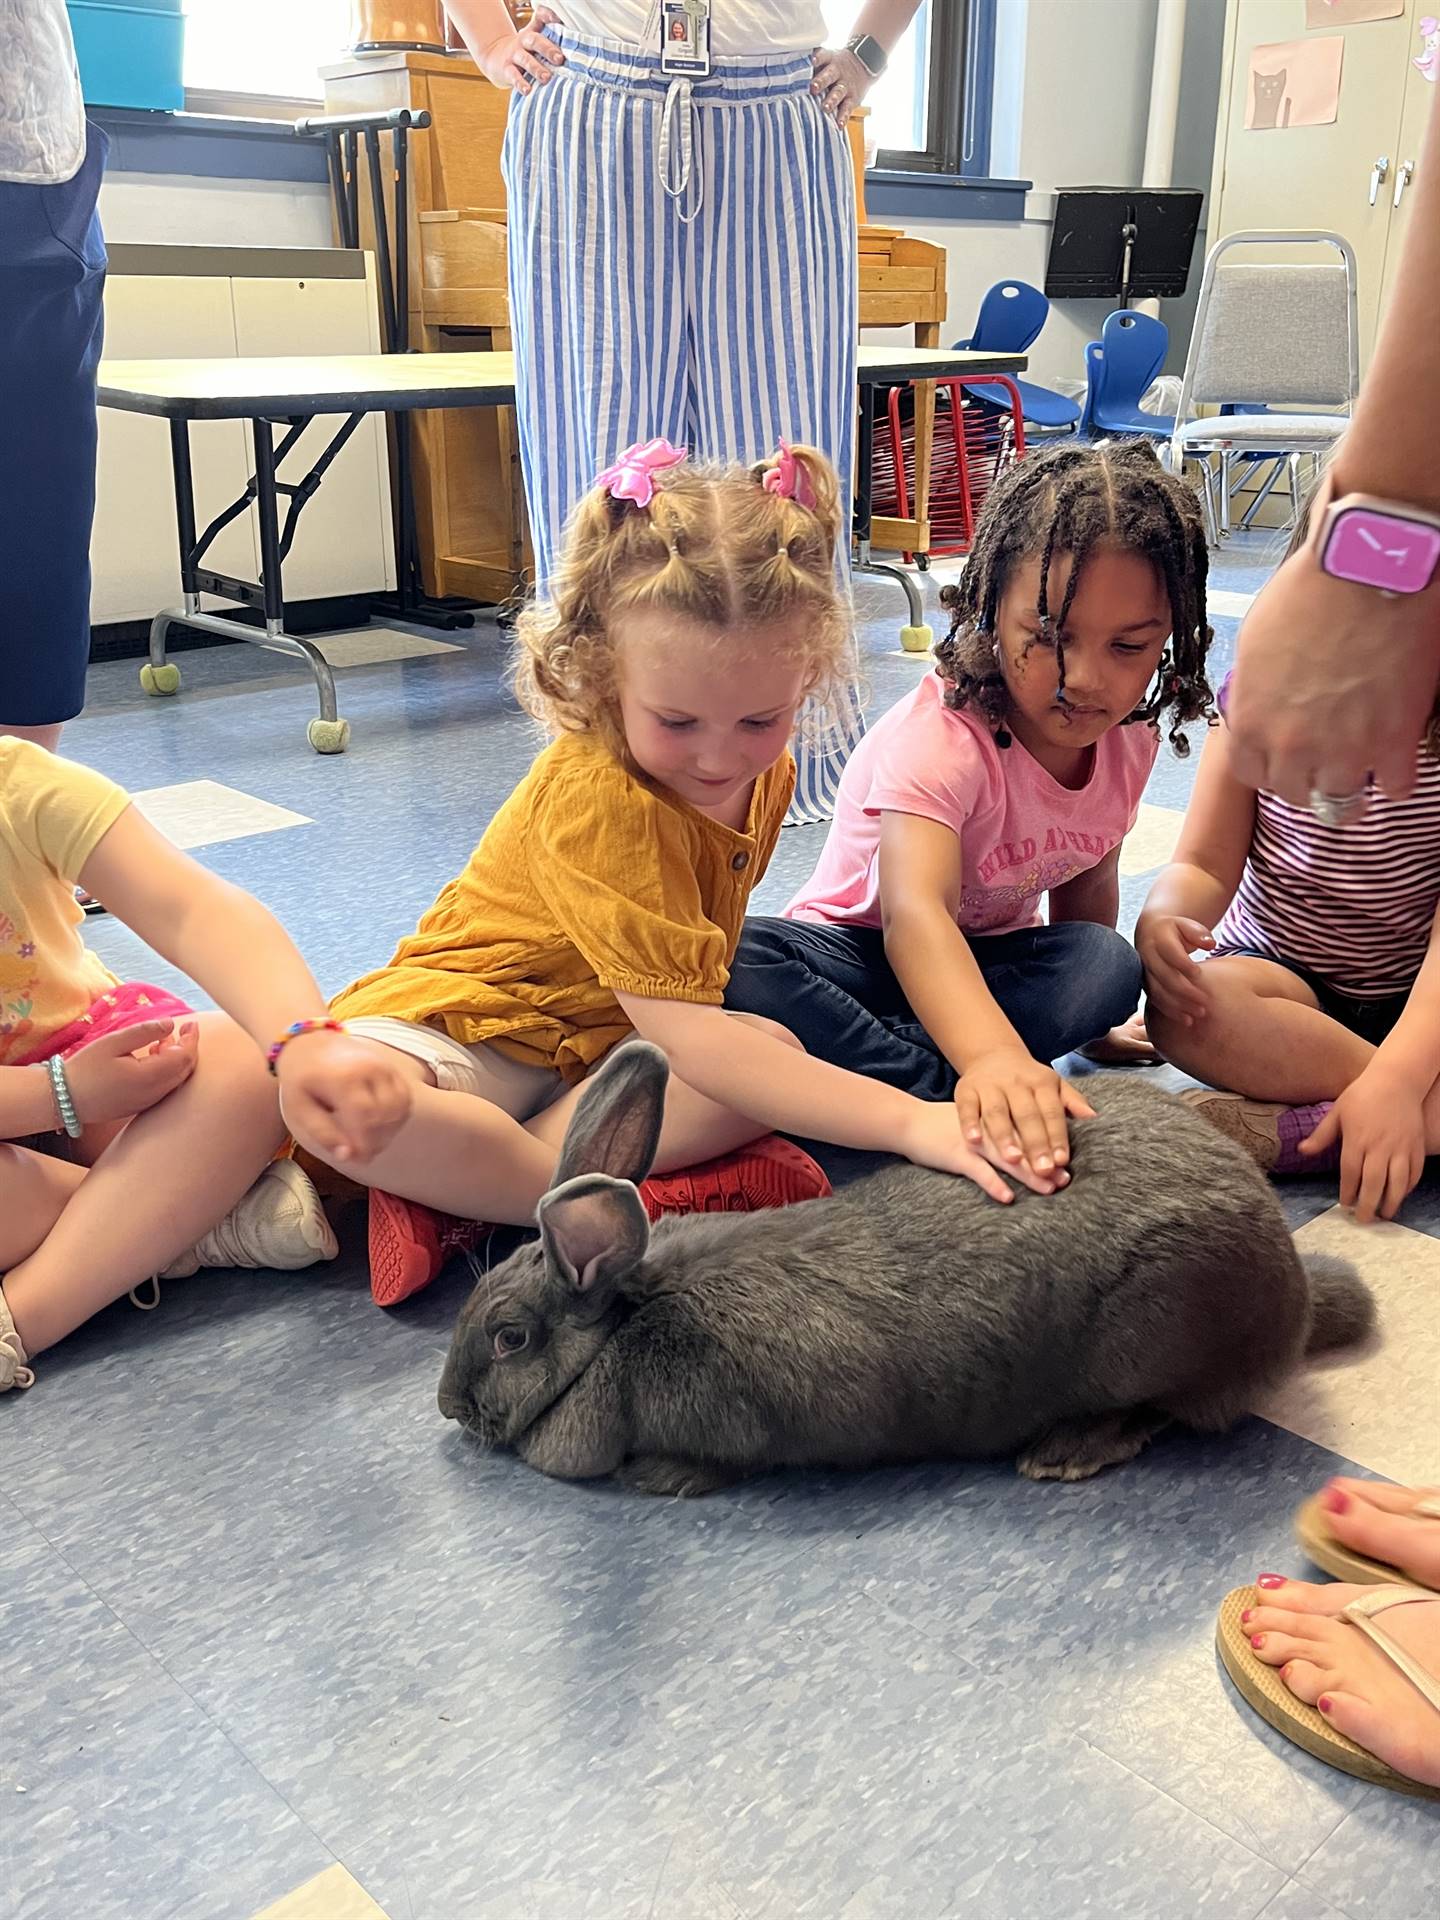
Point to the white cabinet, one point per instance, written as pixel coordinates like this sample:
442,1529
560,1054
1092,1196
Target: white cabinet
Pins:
185,302
1341,176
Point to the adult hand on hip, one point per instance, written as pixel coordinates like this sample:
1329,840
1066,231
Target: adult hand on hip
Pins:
524,59
1333,682
840,82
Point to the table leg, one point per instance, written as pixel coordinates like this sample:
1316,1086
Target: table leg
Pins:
328,734
927,334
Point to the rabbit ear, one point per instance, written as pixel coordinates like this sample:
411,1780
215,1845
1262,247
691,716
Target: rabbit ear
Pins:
594,1230
616,1124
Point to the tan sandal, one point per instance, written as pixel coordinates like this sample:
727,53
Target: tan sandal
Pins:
1313,1531
1262,1688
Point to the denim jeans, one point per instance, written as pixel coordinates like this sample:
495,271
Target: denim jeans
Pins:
834,989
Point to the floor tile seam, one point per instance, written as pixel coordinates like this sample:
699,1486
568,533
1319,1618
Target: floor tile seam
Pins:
1190,1813
209,1719
1320,1892
902,1619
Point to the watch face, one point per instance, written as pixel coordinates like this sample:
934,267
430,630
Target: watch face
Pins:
1382,550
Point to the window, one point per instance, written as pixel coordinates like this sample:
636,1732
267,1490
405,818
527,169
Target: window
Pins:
263,46
930,109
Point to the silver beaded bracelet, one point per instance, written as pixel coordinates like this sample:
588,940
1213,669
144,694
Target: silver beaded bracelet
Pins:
64,1100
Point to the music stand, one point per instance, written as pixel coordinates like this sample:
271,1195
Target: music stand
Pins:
1134,243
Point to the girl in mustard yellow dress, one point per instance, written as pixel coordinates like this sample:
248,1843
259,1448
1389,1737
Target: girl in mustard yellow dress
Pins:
693,612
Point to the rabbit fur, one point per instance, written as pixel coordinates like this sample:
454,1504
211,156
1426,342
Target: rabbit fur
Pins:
905,1317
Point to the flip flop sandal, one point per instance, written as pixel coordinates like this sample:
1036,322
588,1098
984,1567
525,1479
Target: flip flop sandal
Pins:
1262,1688
1313,1531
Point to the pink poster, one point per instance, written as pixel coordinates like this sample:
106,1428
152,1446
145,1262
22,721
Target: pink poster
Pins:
1294,83
1349,13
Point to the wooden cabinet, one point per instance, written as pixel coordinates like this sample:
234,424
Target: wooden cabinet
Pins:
902,284
469,500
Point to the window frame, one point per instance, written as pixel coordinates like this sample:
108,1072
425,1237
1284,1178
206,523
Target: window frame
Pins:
960,89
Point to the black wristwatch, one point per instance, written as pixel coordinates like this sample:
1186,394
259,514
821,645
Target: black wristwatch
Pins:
869,52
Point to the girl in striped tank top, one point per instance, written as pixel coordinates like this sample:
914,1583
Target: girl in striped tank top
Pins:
1315,1011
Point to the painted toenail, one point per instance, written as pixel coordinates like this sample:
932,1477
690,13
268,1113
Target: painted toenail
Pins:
1270,1581
1246,1615
1324,1703
1257,1640
1334,1501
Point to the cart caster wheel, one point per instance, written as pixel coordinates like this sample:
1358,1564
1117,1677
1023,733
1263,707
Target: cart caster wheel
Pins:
160,682
922,561
916,639
328,736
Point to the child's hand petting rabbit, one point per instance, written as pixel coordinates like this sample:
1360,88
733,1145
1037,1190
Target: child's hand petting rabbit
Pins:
1013,1108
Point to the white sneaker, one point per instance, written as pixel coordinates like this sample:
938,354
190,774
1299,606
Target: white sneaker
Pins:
280,1223
13,1369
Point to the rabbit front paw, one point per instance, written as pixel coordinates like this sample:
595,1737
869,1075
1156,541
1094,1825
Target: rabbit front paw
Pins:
675,1479
569,1449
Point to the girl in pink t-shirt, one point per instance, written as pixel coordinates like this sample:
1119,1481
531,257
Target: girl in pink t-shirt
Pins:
917,953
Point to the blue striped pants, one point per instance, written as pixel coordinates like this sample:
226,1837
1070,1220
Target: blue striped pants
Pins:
721,316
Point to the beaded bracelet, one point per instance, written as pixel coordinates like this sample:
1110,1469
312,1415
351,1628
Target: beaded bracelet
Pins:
272,1058
64,1100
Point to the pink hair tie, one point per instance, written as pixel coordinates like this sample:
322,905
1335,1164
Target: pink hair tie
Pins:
632,477
789,479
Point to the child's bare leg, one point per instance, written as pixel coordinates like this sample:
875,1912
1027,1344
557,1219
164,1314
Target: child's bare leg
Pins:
34,1191
456,1153
695,1128
1264,1036
171,1175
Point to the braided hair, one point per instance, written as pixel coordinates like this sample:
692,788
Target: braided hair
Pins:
1069,500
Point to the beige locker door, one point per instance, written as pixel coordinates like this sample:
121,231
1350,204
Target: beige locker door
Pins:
134,551
1419,103
1318,176
342,542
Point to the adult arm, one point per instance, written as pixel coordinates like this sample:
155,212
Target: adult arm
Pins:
1332,680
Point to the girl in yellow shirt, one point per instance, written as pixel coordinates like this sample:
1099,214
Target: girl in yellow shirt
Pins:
128,1126
693,611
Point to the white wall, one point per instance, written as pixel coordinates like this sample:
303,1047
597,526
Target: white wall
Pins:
186,210
1081,70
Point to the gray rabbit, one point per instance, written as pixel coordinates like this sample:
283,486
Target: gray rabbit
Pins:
906,1317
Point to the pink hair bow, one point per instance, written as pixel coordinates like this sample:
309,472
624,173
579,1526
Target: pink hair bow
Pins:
789,479
632,477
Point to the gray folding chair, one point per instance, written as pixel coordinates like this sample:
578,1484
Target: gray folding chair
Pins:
1274,335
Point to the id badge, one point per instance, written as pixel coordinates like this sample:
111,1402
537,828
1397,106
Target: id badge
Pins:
685,36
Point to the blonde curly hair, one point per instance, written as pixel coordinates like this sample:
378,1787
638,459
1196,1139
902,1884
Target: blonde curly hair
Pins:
714,546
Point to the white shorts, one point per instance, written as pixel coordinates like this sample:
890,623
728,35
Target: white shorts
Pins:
519,1090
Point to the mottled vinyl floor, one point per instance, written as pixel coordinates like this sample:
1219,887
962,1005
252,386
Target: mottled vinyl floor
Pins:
275,1638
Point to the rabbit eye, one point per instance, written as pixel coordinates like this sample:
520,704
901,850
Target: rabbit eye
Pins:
511,1340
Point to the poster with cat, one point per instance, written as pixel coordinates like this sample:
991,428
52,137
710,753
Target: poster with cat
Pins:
1294,83
1320,14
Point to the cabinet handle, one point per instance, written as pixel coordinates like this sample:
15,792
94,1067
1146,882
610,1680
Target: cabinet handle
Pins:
1402,180
1377,173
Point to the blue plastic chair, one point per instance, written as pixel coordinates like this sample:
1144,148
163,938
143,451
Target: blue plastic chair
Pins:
1119,369
1010,318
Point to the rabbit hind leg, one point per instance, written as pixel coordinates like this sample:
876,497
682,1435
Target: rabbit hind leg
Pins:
1076,1449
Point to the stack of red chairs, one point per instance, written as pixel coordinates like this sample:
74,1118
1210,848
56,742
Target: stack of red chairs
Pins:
973,445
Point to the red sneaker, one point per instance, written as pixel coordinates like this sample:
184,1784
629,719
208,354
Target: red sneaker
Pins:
768,1173
409,1244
